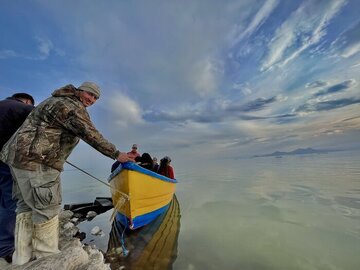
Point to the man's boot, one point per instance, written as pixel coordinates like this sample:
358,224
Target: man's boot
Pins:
46,238
23,238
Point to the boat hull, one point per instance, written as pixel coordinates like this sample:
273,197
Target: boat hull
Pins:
150,247
149,194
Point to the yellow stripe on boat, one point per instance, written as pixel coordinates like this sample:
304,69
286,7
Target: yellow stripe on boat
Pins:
147,190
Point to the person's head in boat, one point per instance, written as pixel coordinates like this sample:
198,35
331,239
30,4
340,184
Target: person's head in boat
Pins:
146,161
155,164
146,158
165,168
155,161
134,153
134,148
166,160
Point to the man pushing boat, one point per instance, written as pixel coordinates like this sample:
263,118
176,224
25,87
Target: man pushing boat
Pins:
36,154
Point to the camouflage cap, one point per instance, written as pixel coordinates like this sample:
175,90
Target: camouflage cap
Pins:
91,88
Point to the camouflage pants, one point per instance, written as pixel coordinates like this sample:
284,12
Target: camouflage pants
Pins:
37,191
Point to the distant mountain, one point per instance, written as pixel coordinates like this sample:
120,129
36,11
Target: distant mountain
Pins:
299,151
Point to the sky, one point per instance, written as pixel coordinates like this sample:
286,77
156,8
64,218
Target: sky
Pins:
194,79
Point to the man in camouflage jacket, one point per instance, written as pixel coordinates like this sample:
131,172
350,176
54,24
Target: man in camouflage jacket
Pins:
36,154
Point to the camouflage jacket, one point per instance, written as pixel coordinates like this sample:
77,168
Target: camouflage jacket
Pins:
51,132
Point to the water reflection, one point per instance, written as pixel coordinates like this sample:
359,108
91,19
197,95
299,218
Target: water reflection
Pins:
266,214
151,247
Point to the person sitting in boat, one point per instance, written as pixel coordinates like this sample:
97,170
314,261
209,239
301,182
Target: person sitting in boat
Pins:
133,153
117,163
146,161
165,168
156,164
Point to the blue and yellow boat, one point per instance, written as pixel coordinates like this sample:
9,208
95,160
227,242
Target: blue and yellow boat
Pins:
139,195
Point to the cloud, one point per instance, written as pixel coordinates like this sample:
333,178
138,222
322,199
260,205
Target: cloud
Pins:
328,105
351,118
350,40
44,47
126,111
316,84
205,77
260,17
181,71
248,141
336,88
355,65
168,116
351,50
216,111
254,105
165,51
4,54
304,28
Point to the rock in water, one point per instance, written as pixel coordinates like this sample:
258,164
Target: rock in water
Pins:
68,225
96,230
91,214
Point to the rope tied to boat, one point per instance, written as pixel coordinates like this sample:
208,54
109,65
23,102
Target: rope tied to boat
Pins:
120,203
124,195
124,198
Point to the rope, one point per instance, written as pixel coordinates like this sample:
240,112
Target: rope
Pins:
106,184
125,251
120,235
121,202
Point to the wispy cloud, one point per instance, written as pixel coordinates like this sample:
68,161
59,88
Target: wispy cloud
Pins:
350,41
4,54
351,50
260,17
216,111
336,88
327,105
316,84
44,47
355,65
304,28
194,74
254,105
42,52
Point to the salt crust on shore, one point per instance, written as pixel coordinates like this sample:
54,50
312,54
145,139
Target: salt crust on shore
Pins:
73,254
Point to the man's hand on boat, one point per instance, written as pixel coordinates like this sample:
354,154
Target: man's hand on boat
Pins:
123,157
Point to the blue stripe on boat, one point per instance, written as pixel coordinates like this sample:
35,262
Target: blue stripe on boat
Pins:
142,220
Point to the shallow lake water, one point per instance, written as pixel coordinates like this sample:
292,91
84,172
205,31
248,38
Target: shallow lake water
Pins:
294,212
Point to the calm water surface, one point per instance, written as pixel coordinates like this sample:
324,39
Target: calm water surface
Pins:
294,212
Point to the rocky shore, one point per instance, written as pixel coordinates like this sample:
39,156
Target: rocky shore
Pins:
73,254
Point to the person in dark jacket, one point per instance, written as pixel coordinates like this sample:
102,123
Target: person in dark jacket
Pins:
36,154
146,161
13,112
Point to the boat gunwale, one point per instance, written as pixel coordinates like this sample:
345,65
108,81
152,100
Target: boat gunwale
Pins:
131,166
